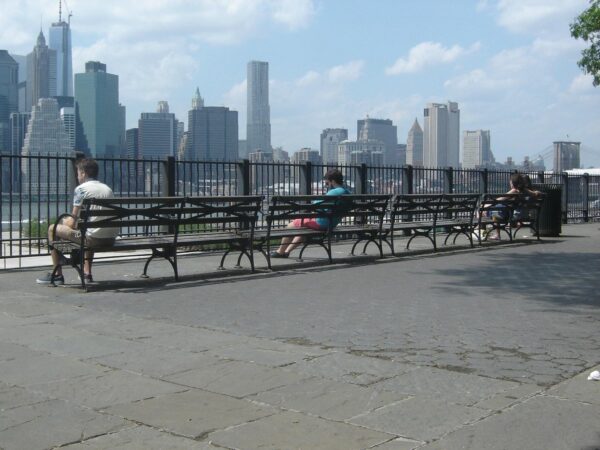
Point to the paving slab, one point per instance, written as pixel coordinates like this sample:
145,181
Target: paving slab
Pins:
328,399
362,370
540,423
157,362
15,396
193,413
41,368
236,378
83,345
579,388
140,438
450,386
399,444
51,424
298,431
109,389
267,352
421,419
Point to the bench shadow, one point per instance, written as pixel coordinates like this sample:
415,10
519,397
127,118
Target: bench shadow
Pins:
283,269
562,279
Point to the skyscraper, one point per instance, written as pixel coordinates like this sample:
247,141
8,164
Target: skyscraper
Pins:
566,155
441,135
46,136
330,139
212,132
97,100
67,115
382,130
41,72
476,149
258,130
158,133
9,96
60,41
414,145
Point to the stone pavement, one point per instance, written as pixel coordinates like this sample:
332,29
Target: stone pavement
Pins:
468,349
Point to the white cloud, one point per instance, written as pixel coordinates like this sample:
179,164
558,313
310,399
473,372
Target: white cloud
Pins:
428,54
346,72
582,83
535,16
293,13
308,78
477,81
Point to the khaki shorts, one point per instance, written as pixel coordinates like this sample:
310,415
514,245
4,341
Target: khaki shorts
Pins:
90,241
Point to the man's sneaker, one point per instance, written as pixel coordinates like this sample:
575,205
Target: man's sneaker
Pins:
47,277
276,254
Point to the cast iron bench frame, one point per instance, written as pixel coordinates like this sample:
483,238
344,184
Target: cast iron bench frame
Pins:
229,220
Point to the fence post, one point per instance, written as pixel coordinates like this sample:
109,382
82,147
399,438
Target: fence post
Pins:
168,168
540,177
305,180
407,179
483,181
585,193
243,175
360,179
565,196
448,180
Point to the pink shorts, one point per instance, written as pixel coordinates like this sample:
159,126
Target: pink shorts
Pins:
307,223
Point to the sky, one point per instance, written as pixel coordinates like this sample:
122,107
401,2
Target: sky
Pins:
510,64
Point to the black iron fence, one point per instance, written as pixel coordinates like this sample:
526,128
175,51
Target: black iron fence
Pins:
35,190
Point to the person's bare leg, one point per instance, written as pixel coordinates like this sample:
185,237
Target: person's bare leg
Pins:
87,263
286,242
295,243
64,230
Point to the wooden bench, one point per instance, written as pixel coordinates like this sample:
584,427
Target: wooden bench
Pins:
164,225
359,216
425,215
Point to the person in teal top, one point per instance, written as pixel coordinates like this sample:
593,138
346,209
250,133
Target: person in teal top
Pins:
334,181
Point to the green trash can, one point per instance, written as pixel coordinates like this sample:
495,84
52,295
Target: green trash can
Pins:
550,220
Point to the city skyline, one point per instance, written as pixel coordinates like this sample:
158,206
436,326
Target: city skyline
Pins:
512,71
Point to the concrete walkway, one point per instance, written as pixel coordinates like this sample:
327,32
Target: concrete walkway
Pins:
468,349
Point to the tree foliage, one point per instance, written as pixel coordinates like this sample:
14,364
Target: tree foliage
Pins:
587,27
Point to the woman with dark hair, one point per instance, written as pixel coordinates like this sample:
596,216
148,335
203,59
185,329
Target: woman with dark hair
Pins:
334,181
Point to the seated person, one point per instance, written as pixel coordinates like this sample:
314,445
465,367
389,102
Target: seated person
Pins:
334,181
89,186
501,214
521,214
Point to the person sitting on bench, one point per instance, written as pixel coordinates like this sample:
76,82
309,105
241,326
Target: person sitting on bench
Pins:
334,181
87,171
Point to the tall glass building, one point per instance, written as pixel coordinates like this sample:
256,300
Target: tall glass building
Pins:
60,41
258,130
9,100
97,101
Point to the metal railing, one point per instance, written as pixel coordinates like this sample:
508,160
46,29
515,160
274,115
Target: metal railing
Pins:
34,190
